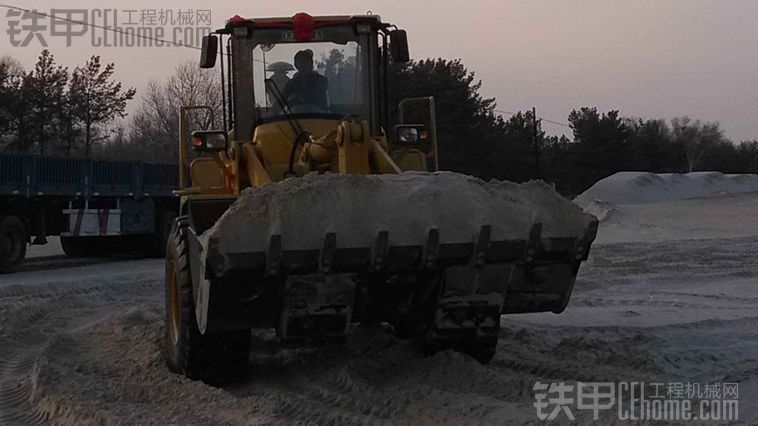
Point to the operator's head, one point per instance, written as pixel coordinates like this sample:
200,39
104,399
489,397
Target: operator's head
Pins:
304,60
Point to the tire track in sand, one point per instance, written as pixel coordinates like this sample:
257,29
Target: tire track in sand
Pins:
32,319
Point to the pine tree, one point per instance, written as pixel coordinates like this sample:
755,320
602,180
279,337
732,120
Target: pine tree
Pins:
43,96
95,99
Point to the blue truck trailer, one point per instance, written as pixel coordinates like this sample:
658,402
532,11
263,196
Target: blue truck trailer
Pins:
95,206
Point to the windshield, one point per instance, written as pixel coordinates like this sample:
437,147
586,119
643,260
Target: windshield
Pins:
319,79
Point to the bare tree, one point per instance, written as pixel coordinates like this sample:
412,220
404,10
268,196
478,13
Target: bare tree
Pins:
11,77
118,146
12,66
696,137
155,126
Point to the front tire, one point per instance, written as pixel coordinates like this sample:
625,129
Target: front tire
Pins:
214,357
13,241
158,242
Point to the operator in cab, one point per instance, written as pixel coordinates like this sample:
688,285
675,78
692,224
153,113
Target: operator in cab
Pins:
307,88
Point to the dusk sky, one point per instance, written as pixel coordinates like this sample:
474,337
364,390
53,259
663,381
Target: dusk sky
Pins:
649,59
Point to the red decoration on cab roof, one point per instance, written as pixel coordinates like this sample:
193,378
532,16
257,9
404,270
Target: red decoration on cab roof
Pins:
236,19
303,26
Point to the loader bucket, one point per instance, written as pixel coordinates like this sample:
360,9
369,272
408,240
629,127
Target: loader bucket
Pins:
440,253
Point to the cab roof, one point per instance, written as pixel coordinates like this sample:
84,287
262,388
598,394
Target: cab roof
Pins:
289,22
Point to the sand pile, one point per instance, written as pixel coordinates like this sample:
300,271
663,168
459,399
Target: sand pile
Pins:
645,188
407,205
637,206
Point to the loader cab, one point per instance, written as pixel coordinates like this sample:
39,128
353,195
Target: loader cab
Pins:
284,75
347,55
327,80
351,54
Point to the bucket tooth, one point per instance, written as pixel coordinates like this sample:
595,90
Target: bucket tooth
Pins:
274,254
328,251
380,250
533,244
431,247
482,245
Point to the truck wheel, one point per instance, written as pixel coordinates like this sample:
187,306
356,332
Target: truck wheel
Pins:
214,357
13,240
77,246
164,219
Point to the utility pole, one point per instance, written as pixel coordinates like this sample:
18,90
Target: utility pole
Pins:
536,144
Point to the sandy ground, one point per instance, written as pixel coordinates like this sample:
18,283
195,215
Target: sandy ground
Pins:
81,344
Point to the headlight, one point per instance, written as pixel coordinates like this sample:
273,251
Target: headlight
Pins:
411,134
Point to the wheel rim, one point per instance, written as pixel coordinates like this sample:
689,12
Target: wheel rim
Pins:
174,311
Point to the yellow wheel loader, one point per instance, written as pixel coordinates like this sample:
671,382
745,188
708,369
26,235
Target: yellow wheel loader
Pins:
308,212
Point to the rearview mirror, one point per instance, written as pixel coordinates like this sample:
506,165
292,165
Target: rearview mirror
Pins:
411,134
209,140
209,51
399,46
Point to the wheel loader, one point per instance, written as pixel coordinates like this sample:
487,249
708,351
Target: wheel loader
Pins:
305,100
